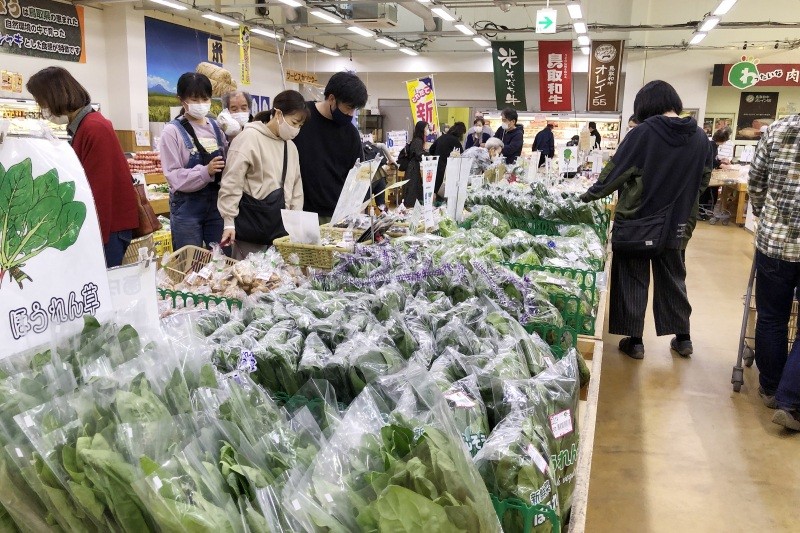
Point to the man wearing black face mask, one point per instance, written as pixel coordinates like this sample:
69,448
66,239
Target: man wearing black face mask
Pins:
329,143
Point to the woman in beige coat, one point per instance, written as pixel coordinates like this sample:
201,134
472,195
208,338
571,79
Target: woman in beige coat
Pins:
260,159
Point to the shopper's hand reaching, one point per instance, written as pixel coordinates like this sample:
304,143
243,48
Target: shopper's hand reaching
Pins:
216,165
228,237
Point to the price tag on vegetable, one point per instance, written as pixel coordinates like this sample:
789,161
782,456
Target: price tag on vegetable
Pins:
561,423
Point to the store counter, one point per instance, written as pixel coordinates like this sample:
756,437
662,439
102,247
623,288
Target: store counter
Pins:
734,191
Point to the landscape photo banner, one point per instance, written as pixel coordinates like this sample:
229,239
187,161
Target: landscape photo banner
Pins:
508,60
605,63
555,75
52,270
42,28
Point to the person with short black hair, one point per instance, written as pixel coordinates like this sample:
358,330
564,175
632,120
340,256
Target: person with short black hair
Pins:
444,146
262,176
545,143
412,190
595,134
192,151
658,171
511,134
329,143
236,112
63,100
477,136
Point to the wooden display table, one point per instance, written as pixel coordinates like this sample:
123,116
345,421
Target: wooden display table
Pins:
160,205
734,193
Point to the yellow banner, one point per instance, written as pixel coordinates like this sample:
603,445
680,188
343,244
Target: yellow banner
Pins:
422,98
244,54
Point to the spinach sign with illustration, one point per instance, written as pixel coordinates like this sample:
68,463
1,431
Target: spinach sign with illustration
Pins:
35,214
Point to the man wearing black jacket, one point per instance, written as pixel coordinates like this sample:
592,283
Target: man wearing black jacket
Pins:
510,134
545,143
443,147
329,143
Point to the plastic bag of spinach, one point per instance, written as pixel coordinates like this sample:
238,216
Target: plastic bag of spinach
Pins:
488,218
551,398
469,412
396,463
514,463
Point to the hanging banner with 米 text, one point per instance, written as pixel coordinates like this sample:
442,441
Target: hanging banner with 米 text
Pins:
422,97
555,75
42,28
508,59
244,55
604,72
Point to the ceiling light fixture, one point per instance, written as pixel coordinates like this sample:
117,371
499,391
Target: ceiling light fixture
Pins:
298,42
697,37
173,5
222,19
387,42
265,33
424,1
292,3
708,24
490,50
481,41
463,28
409,51
580,27
586,50
329,52
584,40
324,15
724,7
361,31
574,9
443,14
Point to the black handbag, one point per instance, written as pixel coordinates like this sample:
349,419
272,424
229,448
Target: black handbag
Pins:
646,236
259,221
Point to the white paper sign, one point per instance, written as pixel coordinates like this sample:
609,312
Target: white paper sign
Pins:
396,141
134,295
302,226
53,270
568,159
142,138
428,171
355,189
456,180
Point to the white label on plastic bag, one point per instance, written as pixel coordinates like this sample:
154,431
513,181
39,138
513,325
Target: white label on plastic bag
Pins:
157,483
329,498
28,421
265,275
205,272
495,222
19,453
459,399
296,505
561,423
538,460
190,279
129,432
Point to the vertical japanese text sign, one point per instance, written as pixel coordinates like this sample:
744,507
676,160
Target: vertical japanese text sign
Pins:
555,75
508,59
604,72
423,101
244,55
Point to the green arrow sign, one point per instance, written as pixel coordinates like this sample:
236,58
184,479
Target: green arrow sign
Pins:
546,23
546,20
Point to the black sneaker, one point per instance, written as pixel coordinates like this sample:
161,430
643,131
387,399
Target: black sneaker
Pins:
684,348
768,399
634,351
790,419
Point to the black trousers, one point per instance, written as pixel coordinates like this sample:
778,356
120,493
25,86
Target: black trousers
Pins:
630,281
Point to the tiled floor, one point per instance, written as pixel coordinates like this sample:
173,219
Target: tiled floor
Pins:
676,449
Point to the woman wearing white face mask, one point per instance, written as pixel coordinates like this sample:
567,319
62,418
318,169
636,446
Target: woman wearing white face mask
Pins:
236,112
262,176
192,155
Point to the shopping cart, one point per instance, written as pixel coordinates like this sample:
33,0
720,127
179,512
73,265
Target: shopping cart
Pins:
717,212
747,352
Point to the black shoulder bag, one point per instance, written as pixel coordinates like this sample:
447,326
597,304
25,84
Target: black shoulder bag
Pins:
260,221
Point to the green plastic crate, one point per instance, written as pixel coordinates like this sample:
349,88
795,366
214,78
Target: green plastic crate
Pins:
198,299
532,515
540,226
560,339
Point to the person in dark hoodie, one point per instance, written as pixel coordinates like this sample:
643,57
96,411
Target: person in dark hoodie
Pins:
443,147
510,134
658,170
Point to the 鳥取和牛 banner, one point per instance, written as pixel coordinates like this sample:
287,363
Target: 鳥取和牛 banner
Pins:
604,75
555,75
508,60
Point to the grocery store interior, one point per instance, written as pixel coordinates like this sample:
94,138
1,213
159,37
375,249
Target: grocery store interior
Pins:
289,340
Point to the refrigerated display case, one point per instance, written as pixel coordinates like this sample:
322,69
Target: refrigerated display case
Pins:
25,117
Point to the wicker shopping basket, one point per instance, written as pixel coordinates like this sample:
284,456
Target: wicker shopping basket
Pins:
188,259
312,255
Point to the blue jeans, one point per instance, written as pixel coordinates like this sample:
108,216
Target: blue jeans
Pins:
116,247
194,218
788,395
776,283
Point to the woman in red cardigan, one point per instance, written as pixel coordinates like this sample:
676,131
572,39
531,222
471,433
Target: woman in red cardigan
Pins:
65,101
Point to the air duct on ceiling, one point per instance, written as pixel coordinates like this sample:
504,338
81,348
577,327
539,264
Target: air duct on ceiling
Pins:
422,12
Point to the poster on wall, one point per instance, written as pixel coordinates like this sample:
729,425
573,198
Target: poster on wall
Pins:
42,28
756,110
422,97
52,269
190,50
604,73
555,75
508,60
244,55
